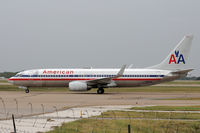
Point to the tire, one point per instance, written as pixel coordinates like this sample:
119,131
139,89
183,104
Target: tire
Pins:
100,91
27,90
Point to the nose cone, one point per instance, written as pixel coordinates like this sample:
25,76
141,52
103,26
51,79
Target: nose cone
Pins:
10,80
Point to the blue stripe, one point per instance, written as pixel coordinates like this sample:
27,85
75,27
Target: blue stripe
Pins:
91,75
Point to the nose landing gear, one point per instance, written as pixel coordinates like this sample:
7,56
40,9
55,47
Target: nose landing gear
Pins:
100,91
27,90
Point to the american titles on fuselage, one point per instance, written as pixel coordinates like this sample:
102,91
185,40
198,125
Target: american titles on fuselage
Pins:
58,72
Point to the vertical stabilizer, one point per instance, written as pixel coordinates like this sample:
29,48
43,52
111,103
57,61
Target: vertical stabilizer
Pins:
178,58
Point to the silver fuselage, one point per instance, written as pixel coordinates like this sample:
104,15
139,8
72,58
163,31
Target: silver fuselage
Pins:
62,77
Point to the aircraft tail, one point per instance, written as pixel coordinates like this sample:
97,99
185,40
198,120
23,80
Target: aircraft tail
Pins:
178,58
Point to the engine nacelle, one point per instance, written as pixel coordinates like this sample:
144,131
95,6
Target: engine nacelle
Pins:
78,86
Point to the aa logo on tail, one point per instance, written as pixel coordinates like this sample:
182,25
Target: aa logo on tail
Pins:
176,58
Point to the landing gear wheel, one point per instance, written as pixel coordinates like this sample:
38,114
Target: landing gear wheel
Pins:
27,90
100,91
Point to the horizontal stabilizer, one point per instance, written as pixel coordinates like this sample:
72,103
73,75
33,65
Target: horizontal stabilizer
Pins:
182,71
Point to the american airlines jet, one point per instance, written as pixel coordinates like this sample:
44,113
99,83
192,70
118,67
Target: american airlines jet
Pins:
171,68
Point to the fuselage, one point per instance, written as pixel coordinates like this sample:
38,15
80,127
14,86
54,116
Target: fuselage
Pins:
62,77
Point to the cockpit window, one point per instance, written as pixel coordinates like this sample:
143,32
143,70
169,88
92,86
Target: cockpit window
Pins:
18,75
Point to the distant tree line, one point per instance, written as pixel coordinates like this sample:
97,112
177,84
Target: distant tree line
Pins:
7,74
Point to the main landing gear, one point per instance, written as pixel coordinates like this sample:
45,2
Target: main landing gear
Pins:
27,90
100,91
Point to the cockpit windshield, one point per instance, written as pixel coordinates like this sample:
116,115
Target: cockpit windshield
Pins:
18,75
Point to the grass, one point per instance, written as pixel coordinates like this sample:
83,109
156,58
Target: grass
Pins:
169,108
3,81
117,122
150,115
157,89
9,88
184,82
121,126
184,98
15,88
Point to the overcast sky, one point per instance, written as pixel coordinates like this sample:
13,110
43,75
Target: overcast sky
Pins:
97,33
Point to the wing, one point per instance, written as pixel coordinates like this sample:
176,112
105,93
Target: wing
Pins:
107,80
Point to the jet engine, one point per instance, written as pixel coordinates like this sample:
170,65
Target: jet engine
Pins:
78,86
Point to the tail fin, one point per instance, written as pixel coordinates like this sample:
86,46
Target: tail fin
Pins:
178,58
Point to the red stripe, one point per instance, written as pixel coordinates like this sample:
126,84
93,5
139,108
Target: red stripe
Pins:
85,79
136,79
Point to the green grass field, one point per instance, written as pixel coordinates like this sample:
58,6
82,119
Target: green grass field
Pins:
121,126
169,108
115,125
188,82
163,89
150,115
184,98
3,81
141,122
15,88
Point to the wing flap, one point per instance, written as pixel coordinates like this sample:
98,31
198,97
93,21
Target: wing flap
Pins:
107,80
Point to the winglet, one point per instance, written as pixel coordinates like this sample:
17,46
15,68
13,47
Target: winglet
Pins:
121,71
130,66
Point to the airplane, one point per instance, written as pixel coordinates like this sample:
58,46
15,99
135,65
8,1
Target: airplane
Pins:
171,68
